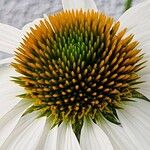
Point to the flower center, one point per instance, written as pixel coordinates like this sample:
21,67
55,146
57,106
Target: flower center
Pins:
76,64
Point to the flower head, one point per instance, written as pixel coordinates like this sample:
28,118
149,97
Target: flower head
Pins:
80,77
80,69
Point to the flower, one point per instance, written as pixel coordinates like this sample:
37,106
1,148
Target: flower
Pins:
77,80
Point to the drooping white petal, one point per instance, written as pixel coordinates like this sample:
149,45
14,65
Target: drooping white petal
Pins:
9,90
79,4
117,136
48,139
66,139
51,140
93,137
26,134
137,21
9,38
9,120
136,125
43,138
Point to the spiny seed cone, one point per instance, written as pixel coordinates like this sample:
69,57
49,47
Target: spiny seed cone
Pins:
80,66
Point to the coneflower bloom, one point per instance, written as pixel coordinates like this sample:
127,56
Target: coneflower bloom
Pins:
77,80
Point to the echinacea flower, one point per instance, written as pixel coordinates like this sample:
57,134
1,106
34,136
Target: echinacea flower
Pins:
77,80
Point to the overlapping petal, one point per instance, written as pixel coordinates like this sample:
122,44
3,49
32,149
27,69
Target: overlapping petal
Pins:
10,119
66,138
26,134
48,139
93,137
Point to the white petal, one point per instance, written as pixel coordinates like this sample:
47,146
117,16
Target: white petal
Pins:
66,139
51,140
137,20
9,39
117,136
136,125
78,4
6,61
93,137
9,90
144,87
26,134
47,128
9,121
49,137
143,106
